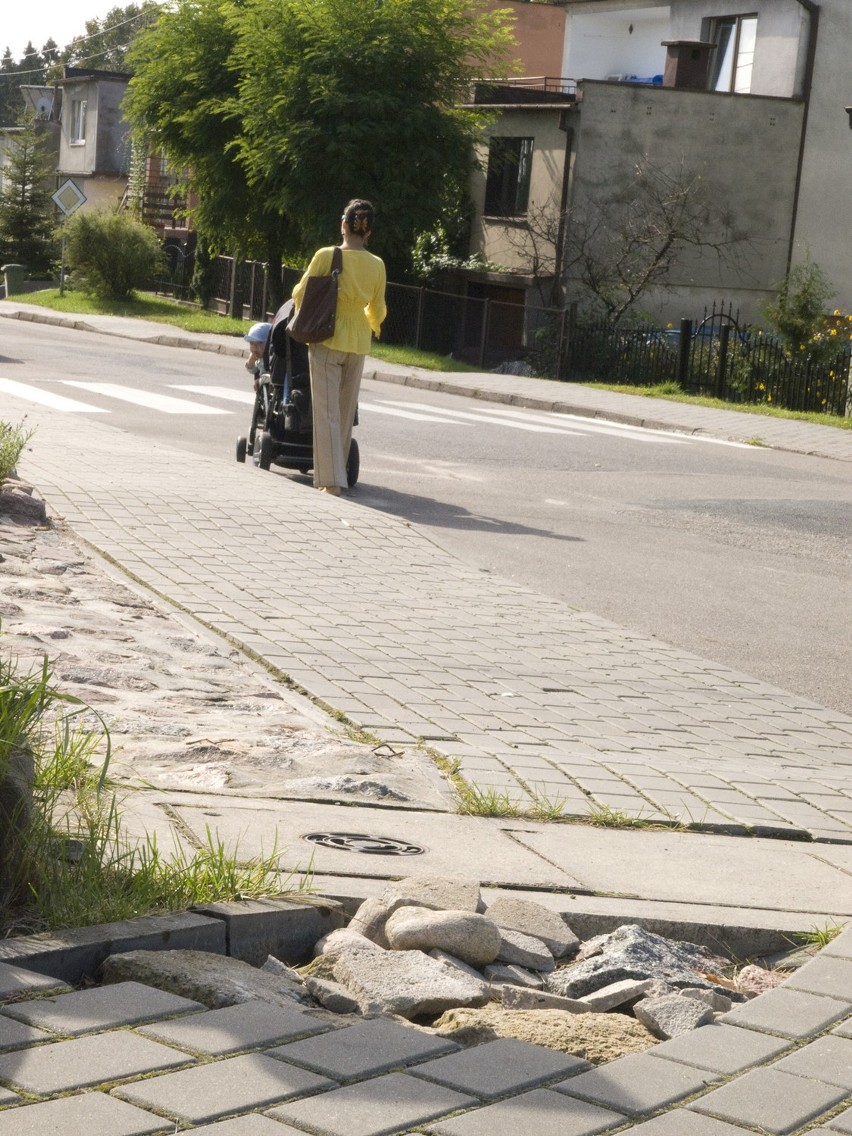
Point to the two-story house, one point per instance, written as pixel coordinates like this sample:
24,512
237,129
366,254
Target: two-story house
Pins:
749,103
94,147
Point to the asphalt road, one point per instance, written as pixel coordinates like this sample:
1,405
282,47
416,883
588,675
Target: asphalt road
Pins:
738,553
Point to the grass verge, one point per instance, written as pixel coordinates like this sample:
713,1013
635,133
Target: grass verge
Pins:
673,393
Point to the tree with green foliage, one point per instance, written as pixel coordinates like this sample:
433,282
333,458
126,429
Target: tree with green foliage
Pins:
279,111
27,230
105,42
799,312
110,253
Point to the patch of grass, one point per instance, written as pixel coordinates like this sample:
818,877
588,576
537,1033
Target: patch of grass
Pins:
413,357
65,859
545,807
188,317
603,816
673,393
144,305
755,440
474,800
818,936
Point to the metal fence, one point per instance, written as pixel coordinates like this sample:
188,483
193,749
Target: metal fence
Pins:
711,356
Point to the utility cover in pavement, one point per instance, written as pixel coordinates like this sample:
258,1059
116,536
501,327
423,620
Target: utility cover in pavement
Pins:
357,842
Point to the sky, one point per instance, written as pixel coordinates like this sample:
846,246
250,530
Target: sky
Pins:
60,19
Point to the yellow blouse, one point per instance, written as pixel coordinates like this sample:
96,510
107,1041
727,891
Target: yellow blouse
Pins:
360,297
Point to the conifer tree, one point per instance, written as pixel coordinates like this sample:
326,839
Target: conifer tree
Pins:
26,209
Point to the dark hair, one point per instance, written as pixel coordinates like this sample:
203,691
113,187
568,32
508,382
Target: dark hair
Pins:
359,215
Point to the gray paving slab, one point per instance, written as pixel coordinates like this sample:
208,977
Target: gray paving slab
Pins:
758,873
250,1125
100,1008
378,1107
827,1059
789,1012
825,974
249,1025
223,1088
682,1122
7,1097
17,1035
94,1114
364,1049
498,1068
638,1084
722,1049
840,1123
770,1101
540,1111
16,981
66,1066
490,855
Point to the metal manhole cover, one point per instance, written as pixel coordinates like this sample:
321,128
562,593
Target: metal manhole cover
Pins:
358,842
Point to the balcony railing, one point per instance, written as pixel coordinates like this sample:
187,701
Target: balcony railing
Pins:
535,89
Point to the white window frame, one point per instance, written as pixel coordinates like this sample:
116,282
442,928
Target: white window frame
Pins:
736,37
77,124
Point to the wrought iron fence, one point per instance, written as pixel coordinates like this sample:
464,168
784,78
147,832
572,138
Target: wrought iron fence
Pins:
712,356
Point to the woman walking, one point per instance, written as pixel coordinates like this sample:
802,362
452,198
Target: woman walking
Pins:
338,363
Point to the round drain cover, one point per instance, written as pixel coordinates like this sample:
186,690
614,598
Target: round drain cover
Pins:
358,842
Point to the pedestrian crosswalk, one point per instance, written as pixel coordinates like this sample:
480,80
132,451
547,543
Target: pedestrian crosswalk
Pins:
200,400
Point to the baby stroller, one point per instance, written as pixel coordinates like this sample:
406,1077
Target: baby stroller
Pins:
281,430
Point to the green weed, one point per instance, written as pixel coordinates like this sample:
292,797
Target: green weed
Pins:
475,801
13,439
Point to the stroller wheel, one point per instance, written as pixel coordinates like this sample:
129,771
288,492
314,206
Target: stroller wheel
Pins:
263,449
242,446
353,464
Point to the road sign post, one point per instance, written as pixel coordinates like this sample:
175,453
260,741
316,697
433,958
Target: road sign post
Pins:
69,197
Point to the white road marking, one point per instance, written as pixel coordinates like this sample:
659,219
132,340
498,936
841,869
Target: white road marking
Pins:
161,402
48,398
226,393
602,426
394,413
598,426
471,416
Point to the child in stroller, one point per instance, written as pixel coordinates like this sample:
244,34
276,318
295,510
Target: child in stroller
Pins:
281,431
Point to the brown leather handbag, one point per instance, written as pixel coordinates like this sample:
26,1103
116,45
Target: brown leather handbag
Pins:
314,321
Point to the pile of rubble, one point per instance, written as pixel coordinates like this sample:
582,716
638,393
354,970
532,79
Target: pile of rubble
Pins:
429,951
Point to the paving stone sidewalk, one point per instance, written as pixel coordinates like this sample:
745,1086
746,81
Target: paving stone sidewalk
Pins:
363,612
129,1060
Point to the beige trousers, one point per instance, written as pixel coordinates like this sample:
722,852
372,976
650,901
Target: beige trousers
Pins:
335,382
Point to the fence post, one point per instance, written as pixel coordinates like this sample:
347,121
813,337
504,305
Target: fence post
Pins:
418,330
234,301
684,352
563,319
483,339
722,364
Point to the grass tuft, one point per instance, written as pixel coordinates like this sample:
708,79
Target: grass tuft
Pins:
13,439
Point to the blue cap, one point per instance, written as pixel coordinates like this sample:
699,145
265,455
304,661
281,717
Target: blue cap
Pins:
258,333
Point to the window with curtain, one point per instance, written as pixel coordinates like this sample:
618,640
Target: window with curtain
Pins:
78,120
507,185
735,37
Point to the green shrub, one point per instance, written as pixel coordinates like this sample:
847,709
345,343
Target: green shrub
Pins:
12,441
111,253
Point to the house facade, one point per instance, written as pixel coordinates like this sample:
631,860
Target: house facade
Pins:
748,105
94,145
